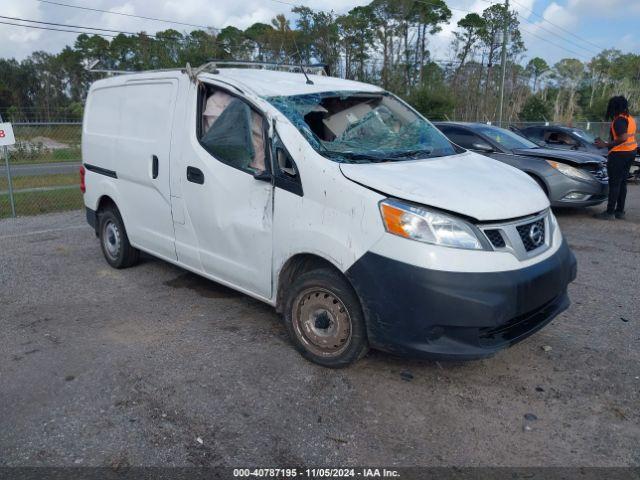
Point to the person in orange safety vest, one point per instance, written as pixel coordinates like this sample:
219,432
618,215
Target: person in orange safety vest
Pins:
622,152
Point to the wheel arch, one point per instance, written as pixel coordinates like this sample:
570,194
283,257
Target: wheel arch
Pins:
296,266
540,181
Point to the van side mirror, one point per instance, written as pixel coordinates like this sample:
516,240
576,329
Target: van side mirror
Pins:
285,164
482,147
262,175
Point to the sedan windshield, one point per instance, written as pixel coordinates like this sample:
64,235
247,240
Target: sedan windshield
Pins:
362,127
584,135
506,138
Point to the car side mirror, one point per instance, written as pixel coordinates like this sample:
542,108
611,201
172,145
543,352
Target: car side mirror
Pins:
482,147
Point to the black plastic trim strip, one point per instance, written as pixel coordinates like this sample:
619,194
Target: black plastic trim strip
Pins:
92,218
100,170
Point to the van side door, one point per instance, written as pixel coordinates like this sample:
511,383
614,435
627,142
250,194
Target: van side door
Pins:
143,155
227,193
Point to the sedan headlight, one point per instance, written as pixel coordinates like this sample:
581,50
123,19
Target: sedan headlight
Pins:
570,171
428,226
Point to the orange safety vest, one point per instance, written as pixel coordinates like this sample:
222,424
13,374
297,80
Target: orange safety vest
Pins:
630,143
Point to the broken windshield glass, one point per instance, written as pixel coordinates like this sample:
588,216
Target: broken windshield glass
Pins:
362,127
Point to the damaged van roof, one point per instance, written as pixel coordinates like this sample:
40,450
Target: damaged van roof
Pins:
259,82
269,83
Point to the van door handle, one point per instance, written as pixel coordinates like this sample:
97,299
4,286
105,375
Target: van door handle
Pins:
195,175
154,166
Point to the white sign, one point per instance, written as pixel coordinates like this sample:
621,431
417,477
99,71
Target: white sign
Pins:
6,135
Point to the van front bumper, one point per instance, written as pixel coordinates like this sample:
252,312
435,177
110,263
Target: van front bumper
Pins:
436,314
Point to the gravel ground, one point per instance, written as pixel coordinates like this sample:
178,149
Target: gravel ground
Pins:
156,366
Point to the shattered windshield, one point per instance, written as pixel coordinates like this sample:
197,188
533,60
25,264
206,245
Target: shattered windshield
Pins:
362,127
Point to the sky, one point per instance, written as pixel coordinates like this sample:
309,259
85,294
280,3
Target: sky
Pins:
552,29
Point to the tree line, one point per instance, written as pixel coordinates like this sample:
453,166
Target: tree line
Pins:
386,42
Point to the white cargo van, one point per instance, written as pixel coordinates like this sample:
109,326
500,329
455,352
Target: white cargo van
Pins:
329,199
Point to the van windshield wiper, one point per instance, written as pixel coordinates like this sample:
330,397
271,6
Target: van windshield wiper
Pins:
382,156
357,157
423,152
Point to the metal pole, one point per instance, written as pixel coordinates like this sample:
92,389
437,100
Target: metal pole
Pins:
9,180
505,35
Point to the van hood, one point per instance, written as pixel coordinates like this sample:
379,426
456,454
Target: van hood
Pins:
468,184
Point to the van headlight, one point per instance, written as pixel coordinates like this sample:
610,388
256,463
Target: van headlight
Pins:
428,226
570,171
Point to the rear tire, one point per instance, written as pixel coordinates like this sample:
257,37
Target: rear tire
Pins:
114,241
325,320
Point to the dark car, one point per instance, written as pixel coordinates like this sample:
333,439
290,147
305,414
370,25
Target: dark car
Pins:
569,178
566,138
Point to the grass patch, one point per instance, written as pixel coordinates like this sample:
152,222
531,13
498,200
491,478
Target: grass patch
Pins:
22,157
36,203
37,181
33,144
70,134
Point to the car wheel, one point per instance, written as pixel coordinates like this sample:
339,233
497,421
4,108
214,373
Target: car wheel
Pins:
325,319
114,241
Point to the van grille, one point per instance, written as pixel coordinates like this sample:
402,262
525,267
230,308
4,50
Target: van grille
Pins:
496,238
530,241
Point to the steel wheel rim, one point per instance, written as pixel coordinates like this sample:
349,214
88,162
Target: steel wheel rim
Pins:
111,239
321,322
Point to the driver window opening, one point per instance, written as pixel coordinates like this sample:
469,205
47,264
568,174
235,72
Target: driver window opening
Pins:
232,131
559,138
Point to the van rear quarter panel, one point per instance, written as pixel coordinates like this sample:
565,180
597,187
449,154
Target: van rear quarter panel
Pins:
126,122
99,133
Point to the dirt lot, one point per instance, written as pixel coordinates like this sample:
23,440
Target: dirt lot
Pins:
155,366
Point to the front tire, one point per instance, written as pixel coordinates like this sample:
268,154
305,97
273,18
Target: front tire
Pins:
114,241
325,320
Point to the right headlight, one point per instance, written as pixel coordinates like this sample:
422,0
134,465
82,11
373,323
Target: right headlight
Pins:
424,225
570,171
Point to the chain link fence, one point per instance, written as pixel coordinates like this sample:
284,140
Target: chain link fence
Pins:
45,160
43,169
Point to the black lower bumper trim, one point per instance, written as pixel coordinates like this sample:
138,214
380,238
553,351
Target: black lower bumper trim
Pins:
92,218
419,312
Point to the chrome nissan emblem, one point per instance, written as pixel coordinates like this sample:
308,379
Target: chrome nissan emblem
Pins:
536,234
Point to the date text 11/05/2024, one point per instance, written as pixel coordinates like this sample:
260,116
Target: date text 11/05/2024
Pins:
316,473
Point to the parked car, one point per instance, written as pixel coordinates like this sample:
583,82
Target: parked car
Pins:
568,178
561,137
568,138
331,200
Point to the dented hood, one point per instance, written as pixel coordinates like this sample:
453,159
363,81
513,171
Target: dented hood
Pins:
468,184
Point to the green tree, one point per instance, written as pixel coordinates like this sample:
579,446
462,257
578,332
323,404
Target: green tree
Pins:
472,28
568,74
534,110
260,34
357,37
319,36
536,68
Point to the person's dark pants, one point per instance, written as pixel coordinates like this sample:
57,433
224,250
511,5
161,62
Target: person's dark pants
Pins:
618,165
